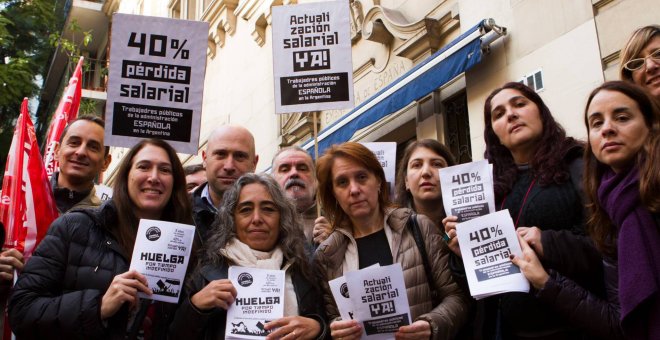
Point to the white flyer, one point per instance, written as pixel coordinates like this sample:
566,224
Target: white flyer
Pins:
259,299
386,154
380,300
486,243
312,65
339,290
161,253
156,81
467,190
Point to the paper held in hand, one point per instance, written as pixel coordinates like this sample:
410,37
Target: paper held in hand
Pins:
376,297
467,190
486,243
259,299
161,253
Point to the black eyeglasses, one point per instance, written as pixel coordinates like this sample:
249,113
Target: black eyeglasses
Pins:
637,63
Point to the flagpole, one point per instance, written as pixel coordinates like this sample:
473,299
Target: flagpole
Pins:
316,152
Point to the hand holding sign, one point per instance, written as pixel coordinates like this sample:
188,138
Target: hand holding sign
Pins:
123,288
345,329
293,327
216,294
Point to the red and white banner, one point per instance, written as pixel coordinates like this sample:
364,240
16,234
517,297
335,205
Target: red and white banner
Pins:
67,110
28,206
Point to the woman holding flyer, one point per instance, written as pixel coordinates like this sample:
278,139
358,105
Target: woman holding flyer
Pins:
77,284
418,180
622,181
369,230
256,227
536,173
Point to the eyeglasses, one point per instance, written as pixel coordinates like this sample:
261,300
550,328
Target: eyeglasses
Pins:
637,63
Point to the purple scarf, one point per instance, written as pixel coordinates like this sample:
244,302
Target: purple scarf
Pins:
638,249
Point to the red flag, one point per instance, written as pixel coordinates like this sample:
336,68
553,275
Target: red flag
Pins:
28,206
67,110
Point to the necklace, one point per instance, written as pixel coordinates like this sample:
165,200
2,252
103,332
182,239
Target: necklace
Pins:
531,185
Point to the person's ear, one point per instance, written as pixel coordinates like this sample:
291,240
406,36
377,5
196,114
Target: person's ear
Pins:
106,162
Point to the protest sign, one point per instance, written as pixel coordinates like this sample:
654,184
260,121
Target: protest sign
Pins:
379,300
103,192
486,243
161,253
156,81
339,290
312,64
259,299
386,154
467,190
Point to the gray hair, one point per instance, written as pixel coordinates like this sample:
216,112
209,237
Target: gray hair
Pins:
291,239
293,148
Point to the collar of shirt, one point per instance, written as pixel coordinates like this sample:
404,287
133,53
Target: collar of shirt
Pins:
206,197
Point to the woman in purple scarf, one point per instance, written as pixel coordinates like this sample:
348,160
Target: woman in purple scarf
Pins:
622,182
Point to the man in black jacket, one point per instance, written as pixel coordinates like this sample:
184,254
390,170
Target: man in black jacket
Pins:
82,156
229,154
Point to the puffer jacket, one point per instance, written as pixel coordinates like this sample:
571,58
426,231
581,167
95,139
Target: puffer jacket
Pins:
192,323
59,292
447,317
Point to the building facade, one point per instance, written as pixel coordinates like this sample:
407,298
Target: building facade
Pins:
564,48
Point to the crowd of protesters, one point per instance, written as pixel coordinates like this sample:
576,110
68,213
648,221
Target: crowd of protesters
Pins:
587,215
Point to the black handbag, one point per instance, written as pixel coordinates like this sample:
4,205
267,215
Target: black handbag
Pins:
417,236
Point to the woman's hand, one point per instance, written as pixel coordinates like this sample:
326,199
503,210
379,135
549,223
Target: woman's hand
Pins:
530,265
293,327
10,259
450,223
345,330
322,229
216,294
419,329
533,237
123,288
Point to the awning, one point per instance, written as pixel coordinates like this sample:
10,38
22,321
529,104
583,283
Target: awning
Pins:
444,65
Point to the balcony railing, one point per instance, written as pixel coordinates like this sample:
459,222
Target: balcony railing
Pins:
95,75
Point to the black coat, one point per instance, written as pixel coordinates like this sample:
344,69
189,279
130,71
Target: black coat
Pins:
203,215
191,323
58,294
581,300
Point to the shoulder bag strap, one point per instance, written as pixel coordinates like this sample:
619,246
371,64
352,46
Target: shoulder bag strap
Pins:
417,236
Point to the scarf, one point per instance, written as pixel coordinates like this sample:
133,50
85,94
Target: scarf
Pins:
244,256
638,250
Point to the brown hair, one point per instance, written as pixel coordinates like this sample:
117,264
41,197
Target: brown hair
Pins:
599,225
403,196
359,154
549,161
178,209
634,47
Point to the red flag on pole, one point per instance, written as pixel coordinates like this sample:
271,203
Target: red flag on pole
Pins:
28,206
67,110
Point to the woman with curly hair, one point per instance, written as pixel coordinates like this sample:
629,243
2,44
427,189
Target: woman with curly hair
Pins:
257,227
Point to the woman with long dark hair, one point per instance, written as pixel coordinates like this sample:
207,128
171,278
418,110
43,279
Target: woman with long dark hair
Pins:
256,227
77,284
536,172
622,182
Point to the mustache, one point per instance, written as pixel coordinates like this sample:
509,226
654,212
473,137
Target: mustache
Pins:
294,181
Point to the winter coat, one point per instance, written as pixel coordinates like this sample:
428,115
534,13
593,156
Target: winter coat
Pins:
192,323
59,292
584,303
448,316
